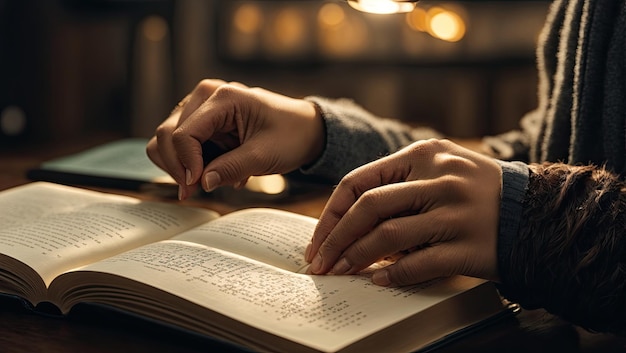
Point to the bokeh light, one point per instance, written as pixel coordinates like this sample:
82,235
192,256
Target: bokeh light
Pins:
289,29
154,28
330,15
272,184
248,19
381,6
444,24
417,20
340,34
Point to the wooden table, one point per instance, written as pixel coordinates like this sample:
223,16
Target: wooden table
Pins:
22,331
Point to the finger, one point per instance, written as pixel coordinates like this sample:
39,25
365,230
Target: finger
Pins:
214,115
203,90
165,149
390,237
371,208
397,167
420,217
390,169
237,165
436,261
153,153
351,187
160,148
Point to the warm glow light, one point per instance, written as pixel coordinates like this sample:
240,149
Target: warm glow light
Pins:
289,28
331,15
268,184
155,28
446,25
417,20
344,39
381,6
248,19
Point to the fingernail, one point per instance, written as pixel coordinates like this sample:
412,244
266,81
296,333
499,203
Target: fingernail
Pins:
189,180
381,278
307,252
316,265
342,266
211,181
181,193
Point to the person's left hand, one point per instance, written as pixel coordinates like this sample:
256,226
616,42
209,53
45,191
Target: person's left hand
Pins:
434,201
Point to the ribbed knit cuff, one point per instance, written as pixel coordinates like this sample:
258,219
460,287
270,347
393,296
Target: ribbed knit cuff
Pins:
514,185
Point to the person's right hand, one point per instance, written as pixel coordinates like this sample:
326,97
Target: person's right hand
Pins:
260,132
434,202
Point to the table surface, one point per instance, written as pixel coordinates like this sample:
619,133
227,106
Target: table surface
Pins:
23,331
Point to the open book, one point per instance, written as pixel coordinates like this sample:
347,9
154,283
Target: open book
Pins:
238,277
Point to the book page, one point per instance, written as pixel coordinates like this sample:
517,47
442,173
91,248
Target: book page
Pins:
53,228
324,312
276,237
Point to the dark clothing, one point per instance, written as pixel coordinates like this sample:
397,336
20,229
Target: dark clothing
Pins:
562,232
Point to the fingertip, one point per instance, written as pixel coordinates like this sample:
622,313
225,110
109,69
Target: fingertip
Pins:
307,253
381,278
181,193
188,177
316,265
342,267
419,266
211,181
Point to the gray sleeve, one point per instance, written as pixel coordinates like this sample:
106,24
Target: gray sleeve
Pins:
355,137
514,186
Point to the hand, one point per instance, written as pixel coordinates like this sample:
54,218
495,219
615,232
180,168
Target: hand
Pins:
260,132
434,201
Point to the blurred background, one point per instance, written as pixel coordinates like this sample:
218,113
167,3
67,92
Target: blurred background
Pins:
72,68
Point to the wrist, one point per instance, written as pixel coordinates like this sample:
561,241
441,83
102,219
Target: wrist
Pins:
316,132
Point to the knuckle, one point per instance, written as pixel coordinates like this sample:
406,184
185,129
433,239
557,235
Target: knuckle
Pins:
453,164
349,181
369,200
451,183
206,87
237,84
226,91
353,181
454,187
432,148
178,137
162,132
425,149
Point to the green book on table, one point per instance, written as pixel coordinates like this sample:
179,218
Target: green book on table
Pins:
118,164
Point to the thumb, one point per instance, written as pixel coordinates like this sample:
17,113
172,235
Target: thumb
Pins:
233,167
422,265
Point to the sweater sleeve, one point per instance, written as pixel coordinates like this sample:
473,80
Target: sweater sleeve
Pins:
514,186
355,137
569,255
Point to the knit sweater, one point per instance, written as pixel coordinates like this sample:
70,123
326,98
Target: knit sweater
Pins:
561,242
